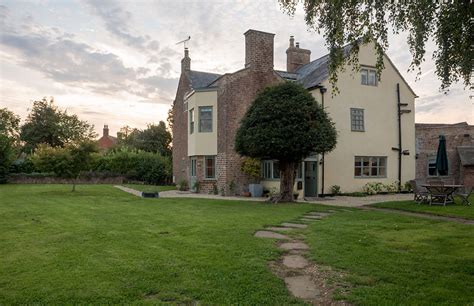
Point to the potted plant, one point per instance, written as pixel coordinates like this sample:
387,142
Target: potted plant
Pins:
252,168
295,195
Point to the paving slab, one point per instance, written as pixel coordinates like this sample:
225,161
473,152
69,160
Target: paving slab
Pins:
294,246
308,220
315,213
313,217
294,261
295,225
302,287
272,235
281,229
130,190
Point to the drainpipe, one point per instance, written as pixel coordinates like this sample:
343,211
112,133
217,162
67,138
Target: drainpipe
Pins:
399,139
322,90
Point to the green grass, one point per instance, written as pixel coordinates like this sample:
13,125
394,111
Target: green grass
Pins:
452,210
397,260
102,245
150,188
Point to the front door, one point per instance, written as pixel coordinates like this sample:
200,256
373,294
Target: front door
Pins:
192,174
310,177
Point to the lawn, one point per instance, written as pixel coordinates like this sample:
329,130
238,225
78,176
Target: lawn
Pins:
455,210
100,245
103,246
397,260
150,188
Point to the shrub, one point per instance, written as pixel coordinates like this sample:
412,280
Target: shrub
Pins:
252,167
407,186
232,187
183,185
372,188
336,189
197,186
214,189
391,188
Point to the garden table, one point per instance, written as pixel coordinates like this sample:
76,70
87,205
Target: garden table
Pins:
441,194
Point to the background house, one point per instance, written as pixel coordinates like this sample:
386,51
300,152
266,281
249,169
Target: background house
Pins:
208,109
459,146
106,141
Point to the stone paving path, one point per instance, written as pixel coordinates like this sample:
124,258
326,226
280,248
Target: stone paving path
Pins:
420,215
130,190
294,268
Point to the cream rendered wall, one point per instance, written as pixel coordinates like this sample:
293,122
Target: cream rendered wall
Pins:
381,125
202,143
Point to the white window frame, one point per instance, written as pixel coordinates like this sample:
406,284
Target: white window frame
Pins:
369,160
200,119
191,121
357,120
368,73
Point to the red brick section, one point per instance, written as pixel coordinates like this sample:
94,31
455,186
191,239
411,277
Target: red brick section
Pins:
235,94
427,140
296,57
180,128
106,142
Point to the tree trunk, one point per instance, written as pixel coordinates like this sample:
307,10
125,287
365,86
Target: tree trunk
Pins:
287,181
73,185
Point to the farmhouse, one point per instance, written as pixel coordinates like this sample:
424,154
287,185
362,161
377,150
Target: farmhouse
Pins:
374,119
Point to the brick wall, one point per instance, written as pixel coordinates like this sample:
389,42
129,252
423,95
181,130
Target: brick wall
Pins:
427,140
296,57
180,131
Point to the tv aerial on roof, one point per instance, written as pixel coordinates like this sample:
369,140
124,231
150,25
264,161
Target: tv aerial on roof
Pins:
184,42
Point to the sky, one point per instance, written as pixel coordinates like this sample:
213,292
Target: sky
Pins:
117,62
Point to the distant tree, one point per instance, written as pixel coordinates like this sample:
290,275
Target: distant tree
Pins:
65,162
170,119
287,124
356,22
46,123
155,138
9,125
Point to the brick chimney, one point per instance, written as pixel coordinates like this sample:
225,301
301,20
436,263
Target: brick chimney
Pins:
259,50
295,56
105,131
186,61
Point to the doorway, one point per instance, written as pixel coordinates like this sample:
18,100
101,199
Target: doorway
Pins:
310,178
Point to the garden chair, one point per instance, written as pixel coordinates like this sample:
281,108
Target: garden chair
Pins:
464,193
420,193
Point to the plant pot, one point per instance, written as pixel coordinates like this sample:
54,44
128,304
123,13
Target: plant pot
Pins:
256,190
295,196
246,194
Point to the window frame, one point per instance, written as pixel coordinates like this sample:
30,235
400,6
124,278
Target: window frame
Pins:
213,158
370,167
269,167
191,120
201,108
367,71
355,121
193,170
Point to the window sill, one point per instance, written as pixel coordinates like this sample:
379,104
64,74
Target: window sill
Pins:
370,177
360,131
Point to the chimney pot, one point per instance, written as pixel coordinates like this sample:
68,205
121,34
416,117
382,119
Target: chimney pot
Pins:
296,57
292,41
106,130
297,45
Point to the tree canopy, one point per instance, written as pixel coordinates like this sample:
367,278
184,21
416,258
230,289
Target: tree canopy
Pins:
287,124
9,126
358,22
46,123
155,138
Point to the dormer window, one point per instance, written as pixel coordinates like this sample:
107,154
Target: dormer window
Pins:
368,77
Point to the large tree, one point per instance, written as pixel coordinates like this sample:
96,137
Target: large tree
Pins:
287,124
46,123
358,22
9,126
155,138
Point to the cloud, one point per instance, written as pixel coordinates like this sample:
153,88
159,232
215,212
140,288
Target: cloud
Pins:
61,58
117,22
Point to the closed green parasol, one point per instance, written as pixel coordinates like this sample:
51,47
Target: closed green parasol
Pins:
442,157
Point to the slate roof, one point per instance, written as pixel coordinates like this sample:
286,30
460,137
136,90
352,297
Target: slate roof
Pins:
201,79
313,73
466,154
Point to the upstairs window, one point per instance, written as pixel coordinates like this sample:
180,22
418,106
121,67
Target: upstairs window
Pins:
191,121
357,119
205,119
368,77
